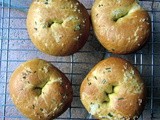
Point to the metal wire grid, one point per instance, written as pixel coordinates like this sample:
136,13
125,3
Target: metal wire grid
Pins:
15,48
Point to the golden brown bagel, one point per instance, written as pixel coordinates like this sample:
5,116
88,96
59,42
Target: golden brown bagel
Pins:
39,90
113,90
58,27
121,26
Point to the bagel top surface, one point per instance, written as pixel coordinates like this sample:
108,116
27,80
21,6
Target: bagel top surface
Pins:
58,27
113,89
121,26
39,90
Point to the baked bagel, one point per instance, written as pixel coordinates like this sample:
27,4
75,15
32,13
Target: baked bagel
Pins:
121,26
58,27
113,90
39,90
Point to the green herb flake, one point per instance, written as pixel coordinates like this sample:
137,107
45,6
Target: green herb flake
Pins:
77,27
53,100
35,29
35,23
100,5
95,77
46,2
44,26
41,109
104,81
120,98
113,49
108,69
89,83
28,71
33,106
98,106
110,115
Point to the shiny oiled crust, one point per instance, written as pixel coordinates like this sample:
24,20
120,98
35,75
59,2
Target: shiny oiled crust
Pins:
39,90
113,89
121,26
58,27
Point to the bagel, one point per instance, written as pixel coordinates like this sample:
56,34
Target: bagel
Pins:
39,90
58,27
121,26
113,90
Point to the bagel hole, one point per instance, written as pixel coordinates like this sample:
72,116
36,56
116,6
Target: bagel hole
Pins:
106,98
110,90
120,13
50,23
37,90
113,89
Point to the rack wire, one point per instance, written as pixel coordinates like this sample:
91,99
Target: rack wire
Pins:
16,47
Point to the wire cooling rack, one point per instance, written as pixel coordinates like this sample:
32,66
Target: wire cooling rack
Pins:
16,47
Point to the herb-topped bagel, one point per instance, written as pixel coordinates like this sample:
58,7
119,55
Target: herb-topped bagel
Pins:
113,90
39,90
121,26
58,27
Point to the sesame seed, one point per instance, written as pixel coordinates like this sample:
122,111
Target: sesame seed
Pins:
135,117
143,20
55,109
71,5
78,37
139,102
46,44
60,104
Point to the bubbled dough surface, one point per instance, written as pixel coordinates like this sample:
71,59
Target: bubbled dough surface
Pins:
39,90
121,26
113,89
59,27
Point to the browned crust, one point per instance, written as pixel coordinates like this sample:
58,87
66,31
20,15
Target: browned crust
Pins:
126,34
113,89
58,27
39,90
